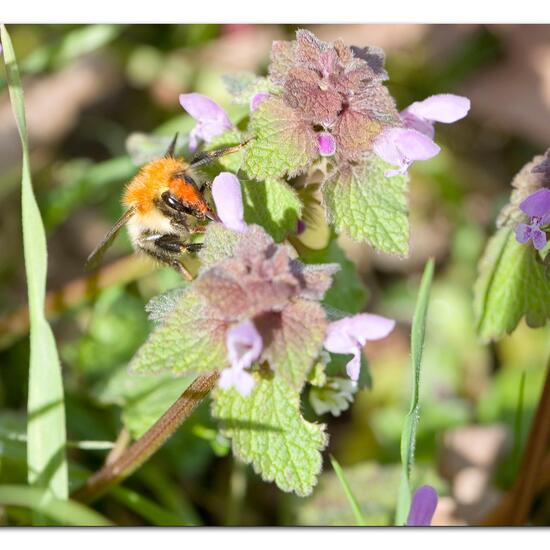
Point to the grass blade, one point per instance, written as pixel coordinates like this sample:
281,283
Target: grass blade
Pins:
64,512
518,424
408,435
46,461
359,518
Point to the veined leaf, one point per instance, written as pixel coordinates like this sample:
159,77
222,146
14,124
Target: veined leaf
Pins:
408,435
268,431
47,465
188,341
511,284
282,144
368,206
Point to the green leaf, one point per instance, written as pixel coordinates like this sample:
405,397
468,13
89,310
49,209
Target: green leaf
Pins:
368,206
511,284
143,399
295,342
219,244
268,431
347,293
47,465
282,143
408,435
273,204
354,505
187,342
64,512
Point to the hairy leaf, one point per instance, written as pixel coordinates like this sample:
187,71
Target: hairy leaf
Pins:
511,284
369,206
282,143
295,338
189,340
273,204
268,431
219,244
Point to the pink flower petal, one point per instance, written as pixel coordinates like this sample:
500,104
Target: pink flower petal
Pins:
327,144
211,119
441,108
350,334
353,368
227,195
537,205
402,146
257,99
239,379
414,145
244,345
385,146
421,125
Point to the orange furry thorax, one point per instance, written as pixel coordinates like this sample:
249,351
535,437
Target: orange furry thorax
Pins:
156,177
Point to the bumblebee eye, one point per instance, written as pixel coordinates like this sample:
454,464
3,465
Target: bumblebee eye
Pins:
172,202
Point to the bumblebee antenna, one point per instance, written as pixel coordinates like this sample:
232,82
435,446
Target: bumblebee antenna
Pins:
207,157
172,147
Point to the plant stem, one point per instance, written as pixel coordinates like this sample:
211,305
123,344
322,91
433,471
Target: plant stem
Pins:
515,506
113,473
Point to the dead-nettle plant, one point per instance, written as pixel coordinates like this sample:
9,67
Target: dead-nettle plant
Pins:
325,143
514,272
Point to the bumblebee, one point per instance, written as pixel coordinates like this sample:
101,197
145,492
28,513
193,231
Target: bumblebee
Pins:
163,203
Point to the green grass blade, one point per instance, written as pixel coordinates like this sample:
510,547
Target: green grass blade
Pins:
146,508
64,512
408,435
359,518
46,461
518,423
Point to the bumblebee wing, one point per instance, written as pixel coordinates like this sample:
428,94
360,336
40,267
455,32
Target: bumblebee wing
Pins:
95,257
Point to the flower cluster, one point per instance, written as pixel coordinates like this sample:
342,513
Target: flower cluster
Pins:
537,207
335,94
260,287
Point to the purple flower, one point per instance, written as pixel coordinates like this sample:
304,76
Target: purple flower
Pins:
537,207
422,115
257,99
327,144
244,346
424,502
350,334
414,141
211,119
227,195
402,146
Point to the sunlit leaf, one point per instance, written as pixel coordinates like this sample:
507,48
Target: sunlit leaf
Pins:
267,430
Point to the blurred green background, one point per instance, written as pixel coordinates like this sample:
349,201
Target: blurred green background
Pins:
89,87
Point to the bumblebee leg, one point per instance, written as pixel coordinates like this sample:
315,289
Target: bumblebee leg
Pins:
166,249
